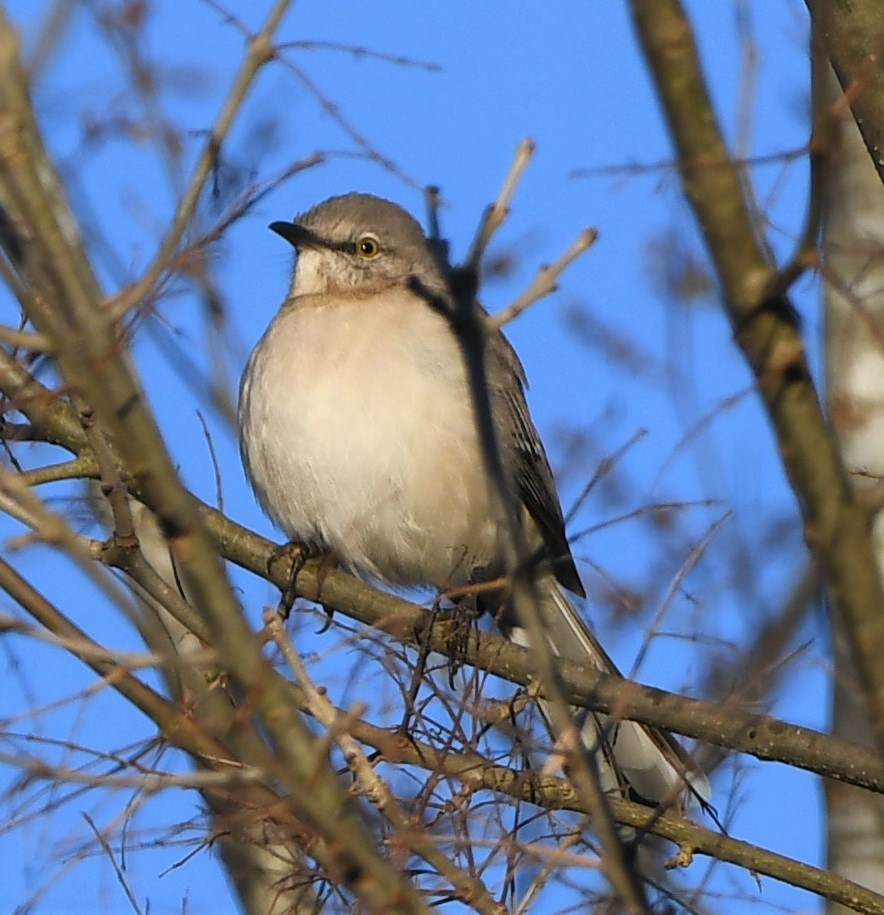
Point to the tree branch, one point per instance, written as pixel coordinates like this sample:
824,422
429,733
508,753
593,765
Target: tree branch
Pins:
758,735
65,305
836,527
761,736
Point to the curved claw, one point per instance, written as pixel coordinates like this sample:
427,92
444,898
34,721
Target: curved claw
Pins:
299,553
329,616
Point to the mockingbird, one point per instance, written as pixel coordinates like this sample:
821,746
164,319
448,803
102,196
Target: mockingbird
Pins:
358,436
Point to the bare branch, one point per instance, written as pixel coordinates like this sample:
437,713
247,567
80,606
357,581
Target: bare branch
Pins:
497,212
836,527
546,280
260,52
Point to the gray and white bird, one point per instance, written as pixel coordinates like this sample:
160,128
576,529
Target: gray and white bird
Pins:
358,435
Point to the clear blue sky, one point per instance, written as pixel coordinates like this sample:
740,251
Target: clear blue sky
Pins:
568,75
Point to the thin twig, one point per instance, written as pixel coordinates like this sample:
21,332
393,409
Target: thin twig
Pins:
116,867
497,212
821,150
468,322
260,52
545,280
672,165
469,889
360,51
126,660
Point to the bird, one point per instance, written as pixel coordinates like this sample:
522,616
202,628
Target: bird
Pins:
358,436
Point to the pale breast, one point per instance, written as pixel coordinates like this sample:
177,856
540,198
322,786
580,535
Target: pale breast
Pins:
368,445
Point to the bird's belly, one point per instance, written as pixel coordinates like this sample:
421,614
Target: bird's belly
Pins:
371,452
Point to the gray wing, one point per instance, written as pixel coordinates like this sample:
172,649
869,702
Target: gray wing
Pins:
526,459
650,761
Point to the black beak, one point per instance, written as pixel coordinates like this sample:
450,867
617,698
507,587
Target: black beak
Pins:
296,235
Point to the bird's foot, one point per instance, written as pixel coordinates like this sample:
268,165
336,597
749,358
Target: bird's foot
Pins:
296,556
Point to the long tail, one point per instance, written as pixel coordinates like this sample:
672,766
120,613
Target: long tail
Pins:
650,761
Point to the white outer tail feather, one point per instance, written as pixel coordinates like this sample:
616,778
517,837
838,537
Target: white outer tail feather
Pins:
651,761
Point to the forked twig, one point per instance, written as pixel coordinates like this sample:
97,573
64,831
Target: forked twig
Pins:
545,280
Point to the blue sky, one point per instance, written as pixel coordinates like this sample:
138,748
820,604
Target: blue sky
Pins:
568,75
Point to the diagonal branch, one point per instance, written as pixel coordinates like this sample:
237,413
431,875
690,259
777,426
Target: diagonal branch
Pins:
475,771
836,527
761,736
66,306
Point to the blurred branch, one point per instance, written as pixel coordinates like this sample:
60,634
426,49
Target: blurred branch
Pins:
65,305
468,321
53,29
475,771
664,167
54,419
125,660
545,281
260,51
836,527
823,143
758,735
468,888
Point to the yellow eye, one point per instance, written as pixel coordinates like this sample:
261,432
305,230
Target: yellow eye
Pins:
367,246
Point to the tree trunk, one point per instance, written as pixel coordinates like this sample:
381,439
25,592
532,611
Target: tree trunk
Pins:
854,358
